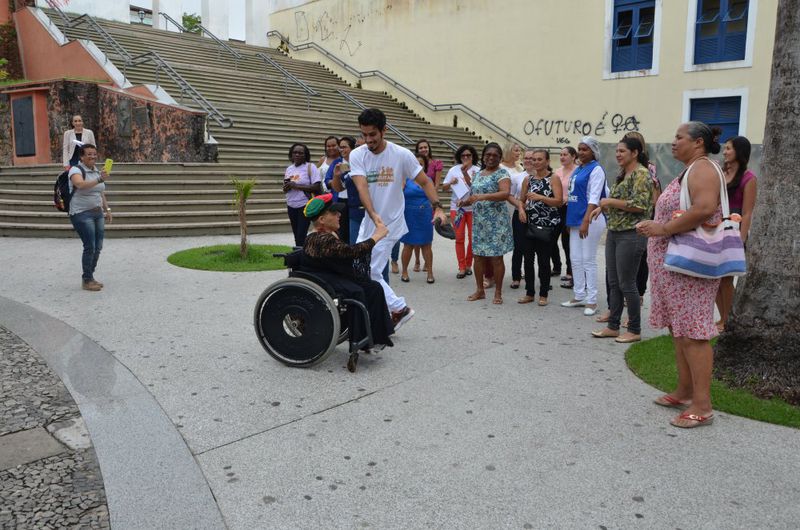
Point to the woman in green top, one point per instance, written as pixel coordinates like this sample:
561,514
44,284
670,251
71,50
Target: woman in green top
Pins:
630,201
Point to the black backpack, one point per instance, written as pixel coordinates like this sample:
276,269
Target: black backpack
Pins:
61,193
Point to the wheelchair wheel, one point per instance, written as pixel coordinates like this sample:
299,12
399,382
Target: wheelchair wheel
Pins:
297,322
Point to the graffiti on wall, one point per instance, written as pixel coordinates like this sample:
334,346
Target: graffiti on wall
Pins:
330,29
558,129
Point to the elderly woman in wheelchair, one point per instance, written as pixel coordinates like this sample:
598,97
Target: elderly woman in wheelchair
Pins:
328,297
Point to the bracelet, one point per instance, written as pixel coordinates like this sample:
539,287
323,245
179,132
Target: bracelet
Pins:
436,204
108,209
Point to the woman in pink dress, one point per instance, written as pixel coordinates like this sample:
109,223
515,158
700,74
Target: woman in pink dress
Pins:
685,304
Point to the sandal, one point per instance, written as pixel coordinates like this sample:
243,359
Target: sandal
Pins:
567,284
430,279
696,421
671,402
468,272
416,267
395,268
497,300
515,284
461,275
605,333
476,296
405,279
604,317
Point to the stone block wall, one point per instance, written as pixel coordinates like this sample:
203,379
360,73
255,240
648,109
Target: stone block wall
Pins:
128,128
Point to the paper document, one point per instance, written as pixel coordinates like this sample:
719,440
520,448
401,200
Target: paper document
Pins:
460,189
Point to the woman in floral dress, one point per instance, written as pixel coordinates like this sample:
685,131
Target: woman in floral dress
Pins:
685,304
491,225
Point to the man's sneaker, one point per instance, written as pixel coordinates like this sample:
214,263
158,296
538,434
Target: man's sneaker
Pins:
91,285
401,317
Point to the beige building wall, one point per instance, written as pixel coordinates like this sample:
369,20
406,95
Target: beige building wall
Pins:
526,64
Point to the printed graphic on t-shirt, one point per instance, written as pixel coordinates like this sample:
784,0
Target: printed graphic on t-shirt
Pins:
383,177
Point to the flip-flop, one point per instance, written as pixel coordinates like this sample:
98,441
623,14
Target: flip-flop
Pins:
699,421
405,279
468,272
473,297
497,301
431,280
670,402
461,275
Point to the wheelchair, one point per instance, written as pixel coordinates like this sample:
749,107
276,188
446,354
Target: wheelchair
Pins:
300,320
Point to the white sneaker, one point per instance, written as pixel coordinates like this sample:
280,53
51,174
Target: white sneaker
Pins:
573,303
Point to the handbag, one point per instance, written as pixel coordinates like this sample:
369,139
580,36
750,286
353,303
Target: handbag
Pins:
707,252
540,233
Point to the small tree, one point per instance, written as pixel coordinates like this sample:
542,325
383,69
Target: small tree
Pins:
191,22
3,71
241,192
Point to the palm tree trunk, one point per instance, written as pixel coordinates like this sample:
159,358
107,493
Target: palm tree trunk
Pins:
760,349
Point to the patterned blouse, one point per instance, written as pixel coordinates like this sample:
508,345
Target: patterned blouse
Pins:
636,190
327,251
539,213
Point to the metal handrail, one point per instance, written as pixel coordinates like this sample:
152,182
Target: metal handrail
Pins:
183,84
236,55
174,22
450,144
203,29
288,75
111,41
58,10
160,63
377,73
361,106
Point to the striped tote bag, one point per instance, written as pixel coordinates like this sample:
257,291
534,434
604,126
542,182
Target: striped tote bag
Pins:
707,252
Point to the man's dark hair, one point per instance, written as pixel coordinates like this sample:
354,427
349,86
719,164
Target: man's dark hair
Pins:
305,148
374,117
462,150
84,147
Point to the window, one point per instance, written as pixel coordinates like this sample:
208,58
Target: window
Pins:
723,112
632,38
721,31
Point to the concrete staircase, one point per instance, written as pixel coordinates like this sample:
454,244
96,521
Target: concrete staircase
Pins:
269,114
147,200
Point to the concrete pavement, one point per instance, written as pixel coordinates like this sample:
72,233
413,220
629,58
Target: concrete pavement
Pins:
481,416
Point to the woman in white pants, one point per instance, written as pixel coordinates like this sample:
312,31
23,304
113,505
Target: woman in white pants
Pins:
586,187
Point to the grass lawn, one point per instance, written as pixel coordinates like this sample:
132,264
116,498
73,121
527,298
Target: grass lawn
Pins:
654,362
226,258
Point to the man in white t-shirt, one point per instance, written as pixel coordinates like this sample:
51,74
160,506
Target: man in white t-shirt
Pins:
378,169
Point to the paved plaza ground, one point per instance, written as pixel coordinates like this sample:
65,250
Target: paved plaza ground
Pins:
481,416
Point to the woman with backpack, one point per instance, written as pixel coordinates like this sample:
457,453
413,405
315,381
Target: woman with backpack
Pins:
88,211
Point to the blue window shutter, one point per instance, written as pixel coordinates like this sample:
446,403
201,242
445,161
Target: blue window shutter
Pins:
728,42
722,112
629,51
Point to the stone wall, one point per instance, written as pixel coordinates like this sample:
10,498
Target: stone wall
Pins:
127,128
